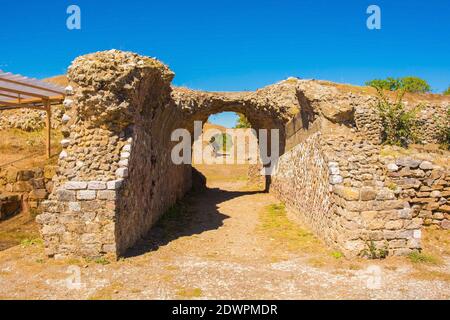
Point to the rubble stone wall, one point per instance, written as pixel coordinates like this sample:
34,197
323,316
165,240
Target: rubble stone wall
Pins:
301,180
31,187
113,180
352,197
29,120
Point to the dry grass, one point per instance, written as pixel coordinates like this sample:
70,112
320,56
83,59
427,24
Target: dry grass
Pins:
58,80
439,156
189,293
24,150
410,97
21,229
284,233
436,241
431,275
430,264
108,292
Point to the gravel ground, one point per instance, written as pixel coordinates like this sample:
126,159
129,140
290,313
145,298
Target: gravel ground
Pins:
216,250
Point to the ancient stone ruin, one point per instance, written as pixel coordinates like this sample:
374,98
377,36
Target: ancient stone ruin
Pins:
115,176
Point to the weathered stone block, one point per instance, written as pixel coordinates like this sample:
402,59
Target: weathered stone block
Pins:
52,229
114,185
392,167
394,224
368,193
65,118
22,186
86,195
431,206
25,175
46,218
38,194
445,224
65,143
347,193
423,200
122,173
375,224
89,238
400,243
385,194
75,185
426,165
97,185
74,206
336,179
391,205
106,195
66,195
109,248
68,103
123,163
50,172
124,155
369,215
126,148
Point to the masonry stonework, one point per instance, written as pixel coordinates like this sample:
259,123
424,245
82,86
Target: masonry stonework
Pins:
115,175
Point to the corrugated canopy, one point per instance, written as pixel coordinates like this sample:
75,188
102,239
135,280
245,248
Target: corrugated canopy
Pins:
17,91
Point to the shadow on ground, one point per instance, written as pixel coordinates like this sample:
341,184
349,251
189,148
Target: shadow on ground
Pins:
196,213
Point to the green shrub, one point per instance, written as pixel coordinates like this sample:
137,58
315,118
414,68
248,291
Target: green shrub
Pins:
31,242
408,84
372,252
420,257
337,254
398,123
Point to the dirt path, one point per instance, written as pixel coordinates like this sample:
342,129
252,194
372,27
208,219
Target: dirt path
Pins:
221,243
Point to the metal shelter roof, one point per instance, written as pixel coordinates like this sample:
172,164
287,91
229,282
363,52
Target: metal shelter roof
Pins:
17,91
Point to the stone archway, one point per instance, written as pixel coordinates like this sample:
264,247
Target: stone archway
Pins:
116,177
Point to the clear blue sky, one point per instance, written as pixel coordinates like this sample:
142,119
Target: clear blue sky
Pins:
237,45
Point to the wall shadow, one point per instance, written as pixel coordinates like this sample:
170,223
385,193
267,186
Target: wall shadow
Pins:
196,213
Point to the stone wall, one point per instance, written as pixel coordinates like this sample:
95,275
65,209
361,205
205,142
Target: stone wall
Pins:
32,186
431,118
301,180
29,120
351,196
424,185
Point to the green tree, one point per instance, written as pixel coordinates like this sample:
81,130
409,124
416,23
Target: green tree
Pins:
391,84
242,122
447,92
408,84
414,84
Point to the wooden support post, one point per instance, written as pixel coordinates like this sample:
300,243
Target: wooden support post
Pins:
48,122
